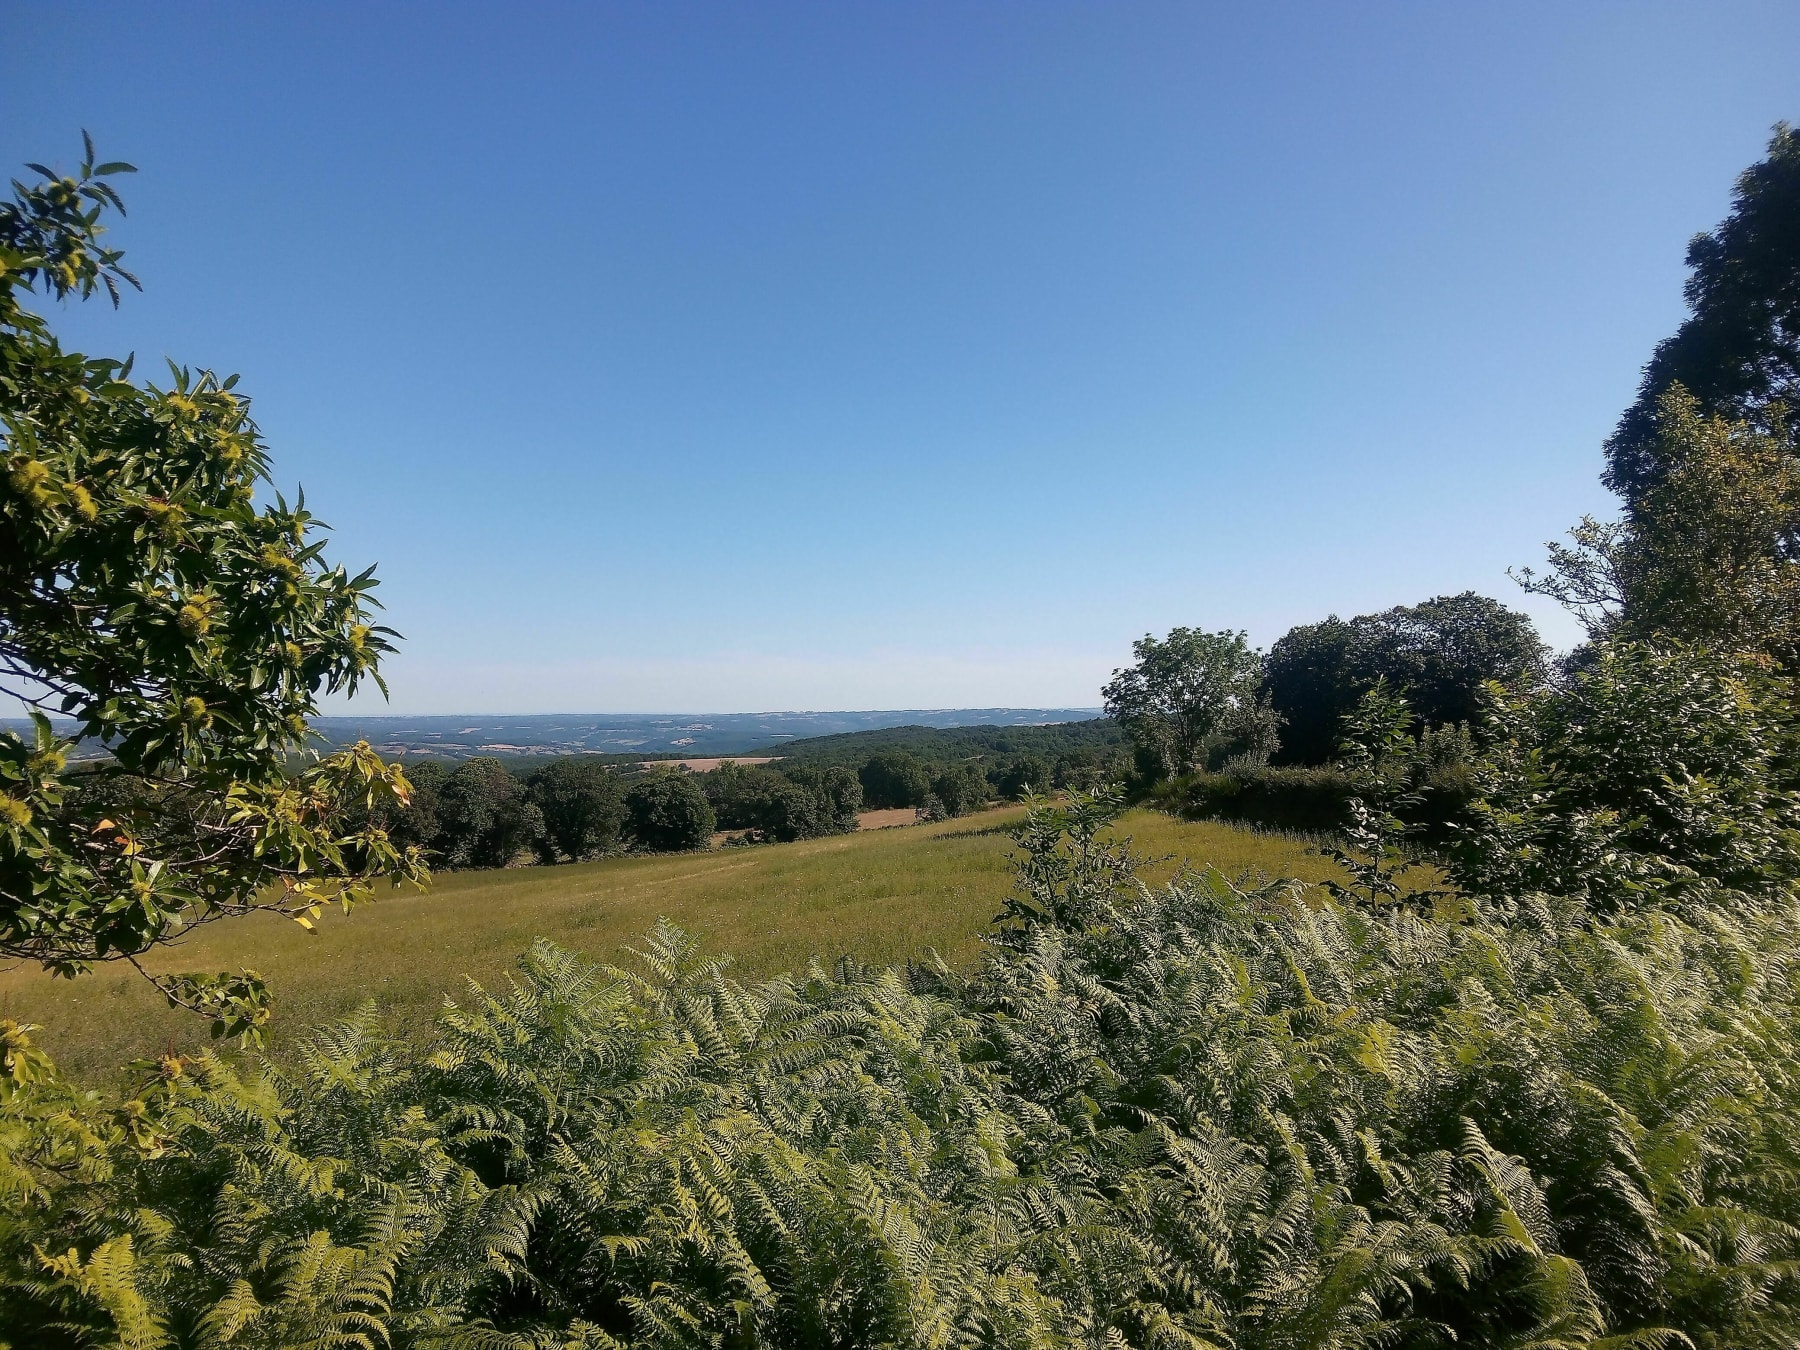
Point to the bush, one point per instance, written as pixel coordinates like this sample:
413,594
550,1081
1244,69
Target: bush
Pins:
1438,770
1311,801
668,813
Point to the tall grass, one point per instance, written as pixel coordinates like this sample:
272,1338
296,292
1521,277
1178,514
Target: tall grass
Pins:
880,896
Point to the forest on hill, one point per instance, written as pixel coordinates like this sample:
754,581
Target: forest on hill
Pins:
1523,1070
647,735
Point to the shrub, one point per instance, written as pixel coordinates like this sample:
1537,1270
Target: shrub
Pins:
1310,800
1437,769
668,813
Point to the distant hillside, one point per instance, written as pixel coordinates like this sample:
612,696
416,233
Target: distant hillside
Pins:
647,735
1090,736
689,735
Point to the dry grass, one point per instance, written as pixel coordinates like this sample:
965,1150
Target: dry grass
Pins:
880,895
886,820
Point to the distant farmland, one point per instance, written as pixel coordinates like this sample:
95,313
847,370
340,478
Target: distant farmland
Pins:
695,735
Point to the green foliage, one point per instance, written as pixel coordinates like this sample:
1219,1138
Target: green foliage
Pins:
1738,352
1096,738
1063,755
1188,693
835,787
1207,1115
1707,553
1439,782
1439,654
144,594
582,804
959,789
668,813
1016,777
1654,776
781,805
1313,800
485,816
894,779
1380,756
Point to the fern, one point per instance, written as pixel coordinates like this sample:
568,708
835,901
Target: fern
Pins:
1224,1113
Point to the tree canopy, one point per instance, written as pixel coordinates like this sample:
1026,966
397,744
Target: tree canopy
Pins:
1710,551
582,805
1184,690
1738,352
668,813
188,630
1439,653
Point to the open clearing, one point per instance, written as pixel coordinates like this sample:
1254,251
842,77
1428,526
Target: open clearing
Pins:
880,895
886,820
708,765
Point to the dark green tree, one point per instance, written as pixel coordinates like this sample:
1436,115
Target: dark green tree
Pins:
1186,690
190,632
960,788
1014,777
583,807
1439,655
485,818
1738,352
416,821
837,788
1308,676
668,813
894,779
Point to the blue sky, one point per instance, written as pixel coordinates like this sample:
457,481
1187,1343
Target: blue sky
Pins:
731,357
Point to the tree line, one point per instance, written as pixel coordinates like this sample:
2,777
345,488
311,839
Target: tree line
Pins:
483,812
1197,700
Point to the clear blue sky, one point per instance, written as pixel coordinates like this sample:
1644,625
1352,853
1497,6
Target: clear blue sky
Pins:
745,356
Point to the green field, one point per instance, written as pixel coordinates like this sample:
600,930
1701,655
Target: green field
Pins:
880,896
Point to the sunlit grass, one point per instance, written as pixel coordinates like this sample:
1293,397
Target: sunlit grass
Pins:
880,896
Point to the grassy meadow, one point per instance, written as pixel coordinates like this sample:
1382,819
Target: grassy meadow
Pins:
880,895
